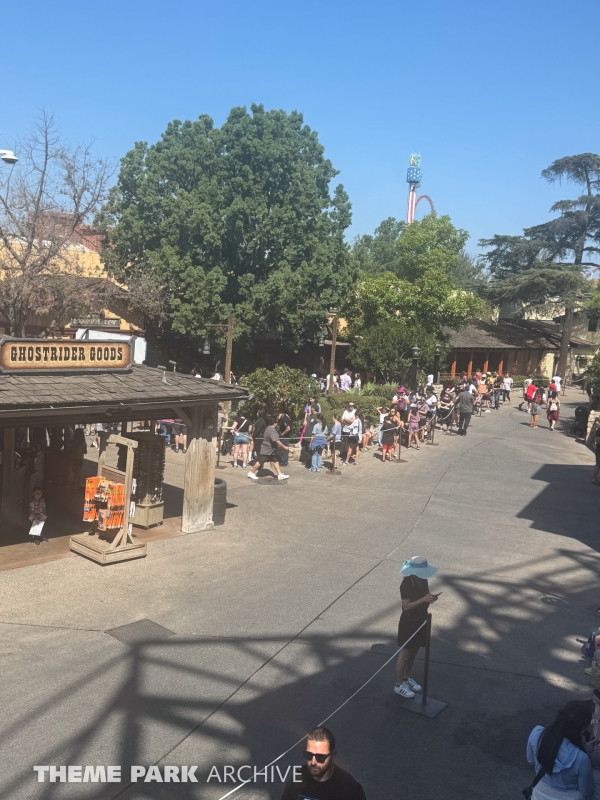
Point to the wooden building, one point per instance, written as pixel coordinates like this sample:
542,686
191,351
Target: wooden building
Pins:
53,383
521,348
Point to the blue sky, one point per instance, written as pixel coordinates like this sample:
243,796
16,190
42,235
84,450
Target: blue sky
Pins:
489,92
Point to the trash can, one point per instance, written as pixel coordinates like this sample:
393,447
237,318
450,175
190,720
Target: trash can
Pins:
220,501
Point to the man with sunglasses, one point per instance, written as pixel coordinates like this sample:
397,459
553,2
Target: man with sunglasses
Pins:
321,778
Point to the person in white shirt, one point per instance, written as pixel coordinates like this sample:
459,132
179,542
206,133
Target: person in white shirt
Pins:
216,377
357,382
557,380
507,386
345,381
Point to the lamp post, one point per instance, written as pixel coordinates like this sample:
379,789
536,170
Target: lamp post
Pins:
436,363
416,353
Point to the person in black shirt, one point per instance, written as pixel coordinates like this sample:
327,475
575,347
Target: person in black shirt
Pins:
322,779
284,423
389,430
258,430
416,599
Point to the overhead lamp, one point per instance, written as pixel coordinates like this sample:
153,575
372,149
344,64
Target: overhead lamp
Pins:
206,348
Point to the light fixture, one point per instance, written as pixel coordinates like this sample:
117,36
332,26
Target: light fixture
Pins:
416,352
206,348
438,349
321,341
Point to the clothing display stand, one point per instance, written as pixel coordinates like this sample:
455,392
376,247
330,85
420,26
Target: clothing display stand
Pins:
421,703
122,547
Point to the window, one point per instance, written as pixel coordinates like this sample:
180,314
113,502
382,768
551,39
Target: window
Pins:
592,324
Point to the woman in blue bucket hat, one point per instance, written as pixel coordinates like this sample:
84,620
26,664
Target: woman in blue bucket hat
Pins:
416,599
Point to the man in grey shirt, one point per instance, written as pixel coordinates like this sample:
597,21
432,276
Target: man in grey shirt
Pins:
268,448
464,401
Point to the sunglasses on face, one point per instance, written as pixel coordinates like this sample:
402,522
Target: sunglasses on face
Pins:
320,758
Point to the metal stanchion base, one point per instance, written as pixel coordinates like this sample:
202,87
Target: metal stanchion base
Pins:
334,472
400,460
415,704
432,444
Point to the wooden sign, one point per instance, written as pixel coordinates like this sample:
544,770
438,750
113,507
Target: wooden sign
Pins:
64,355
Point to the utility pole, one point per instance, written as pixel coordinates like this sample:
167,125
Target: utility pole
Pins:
334,327
229,348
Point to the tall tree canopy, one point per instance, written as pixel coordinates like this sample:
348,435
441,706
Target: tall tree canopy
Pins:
543,268
238,218
414,299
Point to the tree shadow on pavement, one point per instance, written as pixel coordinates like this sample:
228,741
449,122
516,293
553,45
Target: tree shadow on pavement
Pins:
504,660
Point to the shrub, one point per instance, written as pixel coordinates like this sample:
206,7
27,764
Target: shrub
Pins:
280,389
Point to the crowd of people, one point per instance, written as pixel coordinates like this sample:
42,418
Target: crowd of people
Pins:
408,419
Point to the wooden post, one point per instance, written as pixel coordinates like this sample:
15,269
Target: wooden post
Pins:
199,476
229,349
8,473
101,452
501,364
124,428
334,327
528,368
453,365
470,365
487,361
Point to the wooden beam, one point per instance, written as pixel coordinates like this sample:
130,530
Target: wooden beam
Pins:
8,475
453,365
487,361
114,438
199,476
183,415
470,365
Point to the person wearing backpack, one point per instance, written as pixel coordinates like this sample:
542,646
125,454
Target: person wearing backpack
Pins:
553,411
563,768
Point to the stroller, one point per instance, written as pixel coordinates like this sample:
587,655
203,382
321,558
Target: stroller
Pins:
579,427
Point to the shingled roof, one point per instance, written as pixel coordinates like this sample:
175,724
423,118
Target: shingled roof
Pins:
521,335
134,393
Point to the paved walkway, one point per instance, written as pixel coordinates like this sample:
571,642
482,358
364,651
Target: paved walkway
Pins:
283,612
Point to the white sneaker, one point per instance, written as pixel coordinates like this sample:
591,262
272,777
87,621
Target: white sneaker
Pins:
253,476
403,690
413,685
282,477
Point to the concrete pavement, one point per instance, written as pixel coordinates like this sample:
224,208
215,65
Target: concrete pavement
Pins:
282,613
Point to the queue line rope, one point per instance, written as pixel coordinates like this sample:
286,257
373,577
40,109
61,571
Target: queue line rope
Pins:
333,713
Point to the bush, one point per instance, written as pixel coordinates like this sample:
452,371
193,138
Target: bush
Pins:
388,390
366,405
280,389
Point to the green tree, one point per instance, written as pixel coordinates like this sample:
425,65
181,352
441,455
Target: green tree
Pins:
542,270
238,218
386,347
432,242
376,253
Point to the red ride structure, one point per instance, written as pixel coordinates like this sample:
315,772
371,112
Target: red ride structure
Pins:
413,178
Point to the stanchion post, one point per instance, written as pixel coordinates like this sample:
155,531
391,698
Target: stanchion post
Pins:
399,459
431,442
426,666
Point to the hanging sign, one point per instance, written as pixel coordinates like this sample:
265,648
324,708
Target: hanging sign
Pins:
64,355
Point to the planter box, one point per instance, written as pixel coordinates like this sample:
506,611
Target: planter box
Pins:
148,515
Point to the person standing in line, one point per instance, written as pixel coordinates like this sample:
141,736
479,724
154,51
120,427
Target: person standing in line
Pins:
241,439
180,431
383,411
269,443
285,427
423,410
321,778
413,426
507,386
465,405
354,437
416,599
99,431
348,418
553,411
388,438
563,768
318,442
498,390
357,381
335,438
432,402
311,421
258,430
